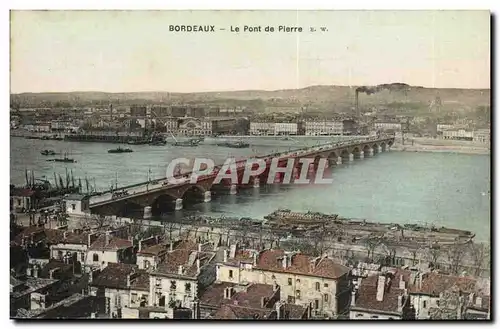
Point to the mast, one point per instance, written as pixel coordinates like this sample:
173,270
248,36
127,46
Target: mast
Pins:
55,181
116,180
26,176
72,179
87,184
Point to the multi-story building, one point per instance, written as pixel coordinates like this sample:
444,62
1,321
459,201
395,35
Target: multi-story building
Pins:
285,128
382,297
460,134
108,249
186,270
262,128
482,136
303,280
138,111
193,127
387,126
442,127
317,128
223,125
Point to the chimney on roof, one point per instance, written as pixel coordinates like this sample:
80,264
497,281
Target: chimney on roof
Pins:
255,255
285,261
400,303
402,283
225,255
107,238
171,246
199,247
380,288
279,307
479,301
35,271
198,265
140,245
180,270
128,280
353,297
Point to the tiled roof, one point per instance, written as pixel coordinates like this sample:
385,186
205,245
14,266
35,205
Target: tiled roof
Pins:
253,295
301,264
367,298
245,256
214,294
115,276
233,312
114,243
293,312
435,283
51,236
181,257
155,250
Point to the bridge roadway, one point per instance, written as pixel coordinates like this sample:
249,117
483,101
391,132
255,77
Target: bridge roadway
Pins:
162,184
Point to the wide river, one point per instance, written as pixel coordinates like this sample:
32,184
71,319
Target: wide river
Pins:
443,189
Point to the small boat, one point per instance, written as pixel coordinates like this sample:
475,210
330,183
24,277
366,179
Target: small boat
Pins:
65,159
48,152
120,150
138,142
158,143
191,143
238,144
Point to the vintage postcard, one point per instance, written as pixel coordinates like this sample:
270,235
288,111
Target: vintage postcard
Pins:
263,165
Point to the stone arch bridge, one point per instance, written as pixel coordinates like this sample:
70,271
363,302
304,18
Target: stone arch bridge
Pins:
161,194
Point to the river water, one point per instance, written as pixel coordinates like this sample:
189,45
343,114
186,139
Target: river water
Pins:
443,189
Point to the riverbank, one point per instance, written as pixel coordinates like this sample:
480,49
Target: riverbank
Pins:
441,149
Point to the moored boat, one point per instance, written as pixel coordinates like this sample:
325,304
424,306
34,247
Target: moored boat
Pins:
48,152
120,150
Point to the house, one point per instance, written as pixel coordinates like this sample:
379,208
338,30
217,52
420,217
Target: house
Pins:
77,306
77,205
303,279
120,285
382,297
74,245
428,290
151,253
109,249
22,199
185,271
23,288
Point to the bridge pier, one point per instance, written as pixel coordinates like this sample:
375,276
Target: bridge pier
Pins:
361,155
370,151
178,204
256,182
351,157
147,212
379,149
207,196
233,190
339,161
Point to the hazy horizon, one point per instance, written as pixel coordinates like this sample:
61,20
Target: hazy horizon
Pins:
134,51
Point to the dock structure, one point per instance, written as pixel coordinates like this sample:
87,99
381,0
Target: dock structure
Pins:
163,192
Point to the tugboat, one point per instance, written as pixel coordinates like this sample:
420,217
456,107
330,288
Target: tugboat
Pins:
237,145
64,159
120,150
191,142
48,152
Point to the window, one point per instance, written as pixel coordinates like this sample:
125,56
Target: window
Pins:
289,281
291,300
161,301
82,257
230,274
188,287
424,304
326,297
298,281
317,286
133,298
326,285
60,255
146,264
359,315
297,294
374,317
316,304
437,302
73,206
173,285
95,258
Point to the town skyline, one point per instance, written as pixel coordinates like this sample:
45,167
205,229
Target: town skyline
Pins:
133,51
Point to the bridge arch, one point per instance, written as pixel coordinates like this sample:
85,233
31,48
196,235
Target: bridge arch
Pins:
356,151
383,146
367,150
317,159
194,194
163,203
375,148
332,159
345,155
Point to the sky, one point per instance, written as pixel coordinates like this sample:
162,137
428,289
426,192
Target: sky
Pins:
131,51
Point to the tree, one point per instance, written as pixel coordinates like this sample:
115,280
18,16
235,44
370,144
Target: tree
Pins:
371,243
479,253
432,254
456,253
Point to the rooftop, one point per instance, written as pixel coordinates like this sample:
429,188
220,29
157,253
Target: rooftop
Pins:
114,243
